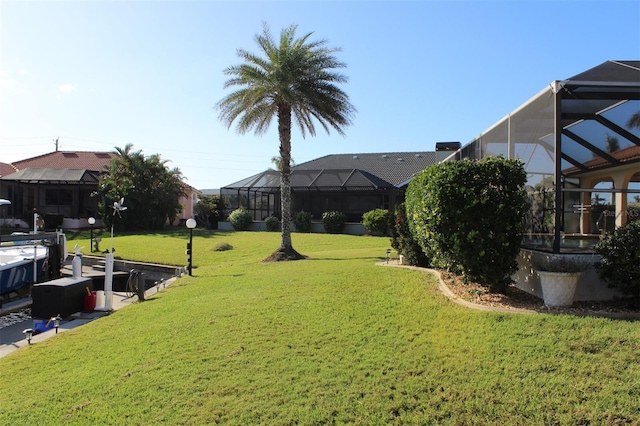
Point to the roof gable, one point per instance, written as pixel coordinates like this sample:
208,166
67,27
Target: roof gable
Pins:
7,169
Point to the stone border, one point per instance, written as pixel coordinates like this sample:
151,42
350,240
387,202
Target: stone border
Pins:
454,298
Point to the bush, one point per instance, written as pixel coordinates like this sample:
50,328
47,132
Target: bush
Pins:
223,247
468,217
402,240
333,221
302,221
272,223
620,263
377,221
241,219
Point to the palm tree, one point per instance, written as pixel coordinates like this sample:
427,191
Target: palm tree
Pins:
634,121
294,79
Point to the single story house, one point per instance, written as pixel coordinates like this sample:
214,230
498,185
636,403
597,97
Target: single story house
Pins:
61,182
350,183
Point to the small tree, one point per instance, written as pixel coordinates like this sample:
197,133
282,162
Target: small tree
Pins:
209,210
468,217
377,221
620,263
152,191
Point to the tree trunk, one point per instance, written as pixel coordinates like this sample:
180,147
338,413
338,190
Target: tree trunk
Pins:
286,251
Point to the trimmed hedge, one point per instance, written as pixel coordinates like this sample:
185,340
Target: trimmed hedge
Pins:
403,242
241,219
333,221
272,223
620,263
302,221
377,221
468,217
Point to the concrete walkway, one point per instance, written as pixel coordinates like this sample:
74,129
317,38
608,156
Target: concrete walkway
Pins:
12,338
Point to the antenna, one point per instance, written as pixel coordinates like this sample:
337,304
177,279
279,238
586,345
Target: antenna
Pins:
56,141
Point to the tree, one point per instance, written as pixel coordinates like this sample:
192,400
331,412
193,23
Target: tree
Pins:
295,79
209,210
151,190
613,144
634,121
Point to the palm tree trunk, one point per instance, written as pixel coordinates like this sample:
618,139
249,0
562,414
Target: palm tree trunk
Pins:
284,131
286,251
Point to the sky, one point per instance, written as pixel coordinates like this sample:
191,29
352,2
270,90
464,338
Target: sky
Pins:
97,75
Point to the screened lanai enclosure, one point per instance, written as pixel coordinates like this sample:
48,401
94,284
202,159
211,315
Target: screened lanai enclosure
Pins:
349,183
579,140
314,191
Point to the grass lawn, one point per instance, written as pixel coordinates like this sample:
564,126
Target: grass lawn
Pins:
334,339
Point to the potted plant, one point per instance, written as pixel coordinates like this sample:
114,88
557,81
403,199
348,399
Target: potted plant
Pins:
559,275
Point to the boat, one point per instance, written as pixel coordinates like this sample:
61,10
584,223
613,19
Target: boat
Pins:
20,265
29,258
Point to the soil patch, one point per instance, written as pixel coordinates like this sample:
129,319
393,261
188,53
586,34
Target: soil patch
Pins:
517,299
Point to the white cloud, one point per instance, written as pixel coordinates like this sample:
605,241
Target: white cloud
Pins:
67,88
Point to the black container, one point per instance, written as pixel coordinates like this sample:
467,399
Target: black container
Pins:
63,297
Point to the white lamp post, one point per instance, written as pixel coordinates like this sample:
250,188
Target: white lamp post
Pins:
92,221
28,333
191,223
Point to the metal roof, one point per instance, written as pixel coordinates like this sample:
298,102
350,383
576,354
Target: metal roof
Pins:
391,167
345,172
55,176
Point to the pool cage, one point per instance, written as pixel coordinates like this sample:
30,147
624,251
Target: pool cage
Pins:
579,140
350,191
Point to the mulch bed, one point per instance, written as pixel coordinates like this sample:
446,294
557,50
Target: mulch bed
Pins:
514,298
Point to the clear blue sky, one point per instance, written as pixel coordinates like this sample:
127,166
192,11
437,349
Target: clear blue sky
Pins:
102,74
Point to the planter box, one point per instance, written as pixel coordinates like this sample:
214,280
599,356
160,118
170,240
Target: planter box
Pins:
558,288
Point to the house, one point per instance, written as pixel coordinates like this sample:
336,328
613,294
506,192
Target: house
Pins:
62,182
350,183
573,136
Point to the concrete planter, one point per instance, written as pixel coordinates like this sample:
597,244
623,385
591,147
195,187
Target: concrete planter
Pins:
558,288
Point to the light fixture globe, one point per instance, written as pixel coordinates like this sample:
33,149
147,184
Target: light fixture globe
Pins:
191,223
92,221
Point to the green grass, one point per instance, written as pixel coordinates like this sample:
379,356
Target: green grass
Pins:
333,339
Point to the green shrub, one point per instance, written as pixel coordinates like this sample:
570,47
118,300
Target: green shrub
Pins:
468,217
241,219
272,223
402,240
302,221
377,221
333,221
620,263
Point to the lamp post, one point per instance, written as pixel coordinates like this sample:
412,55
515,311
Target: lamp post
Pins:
92,221
56,322
28,332
191,223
